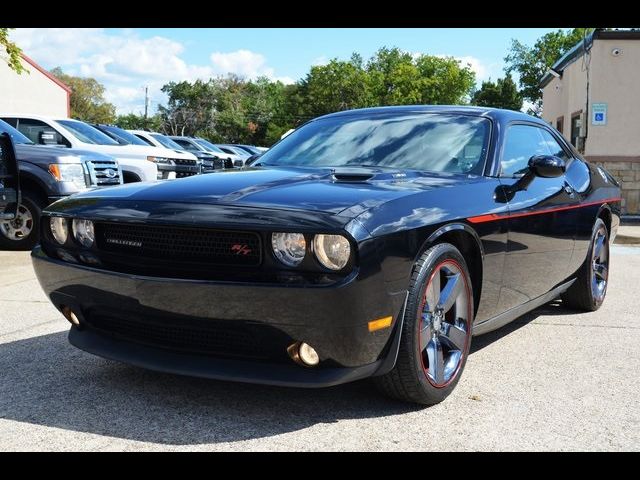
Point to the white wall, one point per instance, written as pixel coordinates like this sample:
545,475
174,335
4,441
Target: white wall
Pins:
30,93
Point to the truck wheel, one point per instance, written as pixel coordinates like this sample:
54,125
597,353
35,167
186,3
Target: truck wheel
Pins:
436,333
23,232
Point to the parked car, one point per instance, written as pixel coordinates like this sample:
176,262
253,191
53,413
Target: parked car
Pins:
138,163
368,243
207,161
9,179
177,163
241,155
193,144
249,149
46,175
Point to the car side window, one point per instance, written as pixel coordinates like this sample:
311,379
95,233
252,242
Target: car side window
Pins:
36,131
520,144
186,145
553,146
144,139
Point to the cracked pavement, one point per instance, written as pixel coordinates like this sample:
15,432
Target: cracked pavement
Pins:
552,380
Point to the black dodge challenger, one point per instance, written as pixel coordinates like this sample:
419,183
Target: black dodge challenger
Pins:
367,243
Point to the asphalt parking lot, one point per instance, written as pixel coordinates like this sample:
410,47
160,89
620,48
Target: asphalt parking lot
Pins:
552,380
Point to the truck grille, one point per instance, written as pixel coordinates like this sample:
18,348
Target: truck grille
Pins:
103,173
162,243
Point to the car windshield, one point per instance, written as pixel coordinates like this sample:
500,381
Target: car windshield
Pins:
123,135
15,135
166,141
209,146
431,142
86,133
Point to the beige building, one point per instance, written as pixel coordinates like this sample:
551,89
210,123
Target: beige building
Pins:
592,96
36,92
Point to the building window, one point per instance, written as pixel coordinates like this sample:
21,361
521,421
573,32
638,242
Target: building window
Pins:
560,124
576,130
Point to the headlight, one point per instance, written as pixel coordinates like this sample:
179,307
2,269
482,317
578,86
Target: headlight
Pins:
332,251
289,248
163,160
59,230
83,232
68,172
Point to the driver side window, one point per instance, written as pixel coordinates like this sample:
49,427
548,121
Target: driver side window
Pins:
520,144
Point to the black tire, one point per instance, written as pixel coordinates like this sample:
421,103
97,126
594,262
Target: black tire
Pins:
32,204
583,294
410,379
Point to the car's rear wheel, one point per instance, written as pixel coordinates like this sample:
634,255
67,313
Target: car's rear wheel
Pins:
436,333
590,287
22,233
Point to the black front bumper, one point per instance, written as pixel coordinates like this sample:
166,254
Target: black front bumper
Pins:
117,310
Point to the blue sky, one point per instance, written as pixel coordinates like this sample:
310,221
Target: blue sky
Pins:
125,60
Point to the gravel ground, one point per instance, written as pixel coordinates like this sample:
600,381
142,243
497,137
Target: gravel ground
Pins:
552,380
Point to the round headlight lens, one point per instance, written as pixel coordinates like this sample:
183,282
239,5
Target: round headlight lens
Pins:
332,251
289,248
58,226
83,231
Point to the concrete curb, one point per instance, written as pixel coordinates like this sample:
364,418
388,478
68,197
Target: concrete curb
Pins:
626,240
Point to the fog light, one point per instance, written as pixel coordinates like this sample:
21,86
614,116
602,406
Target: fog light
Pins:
72,317
303,354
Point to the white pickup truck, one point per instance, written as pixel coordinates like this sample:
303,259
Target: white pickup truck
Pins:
138,162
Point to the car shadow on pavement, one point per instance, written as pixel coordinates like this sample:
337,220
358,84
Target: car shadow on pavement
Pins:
553,308
46,381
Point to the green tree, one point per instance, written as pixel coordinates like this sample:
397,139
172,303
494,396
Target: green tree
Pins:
501,94
190,107
87,98
13,52
133,121
532,62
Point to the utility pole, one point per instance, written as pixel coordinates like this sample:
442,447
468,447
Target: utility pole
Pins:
146,104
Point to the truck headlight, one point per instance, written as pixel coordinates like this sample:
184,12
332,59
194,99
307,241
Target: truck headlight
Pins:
68,172
161,160
289,248
332,251
83,232
59,229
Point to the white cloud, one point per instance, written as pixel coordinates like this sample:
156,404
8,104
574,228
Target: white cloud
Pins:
320,61
125,62
245,63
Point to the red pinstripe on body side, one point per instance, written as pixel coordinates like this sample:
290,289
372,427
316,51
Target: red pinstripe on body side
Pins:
502,216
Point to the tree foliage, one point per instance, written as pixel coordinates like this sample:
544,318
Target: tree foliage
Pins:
532,62
233,109
133,121
13,52
501,94
87,98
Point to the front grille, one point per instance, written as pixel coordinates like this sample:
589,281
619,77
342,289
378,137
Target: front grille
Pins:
216,247
185,174
185,161
103,173
221,338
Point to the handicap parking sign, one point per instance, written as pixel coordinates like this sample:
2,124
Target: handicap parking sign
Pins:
599,114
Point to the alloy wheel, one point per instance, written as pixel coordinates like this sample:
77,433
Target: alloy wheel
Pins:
20,227
444,323
600,265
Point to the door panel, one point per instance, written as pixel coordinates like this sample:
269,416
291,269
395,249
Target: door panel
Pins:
541,222
9,184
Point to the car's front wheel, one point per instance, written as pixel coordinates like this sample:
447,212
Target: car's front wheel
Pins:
21,233
436,332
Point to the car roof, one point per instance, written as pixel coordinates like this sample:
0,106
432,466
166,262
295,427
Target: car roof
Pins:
494,113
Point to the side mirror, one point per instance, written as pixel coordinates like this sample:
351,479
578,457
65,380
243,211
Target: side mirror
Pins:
9,179
547,166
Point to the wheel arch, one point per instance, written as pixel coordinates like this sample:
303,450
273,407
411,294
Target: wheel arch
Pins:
32,184
605,214
467,240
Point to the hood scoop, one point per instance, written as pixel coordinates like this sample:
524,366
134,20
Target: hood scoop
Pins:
352,175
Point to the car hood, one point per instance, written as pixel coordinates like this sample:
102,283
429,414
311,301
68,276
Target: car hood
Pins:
37,153
319,189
